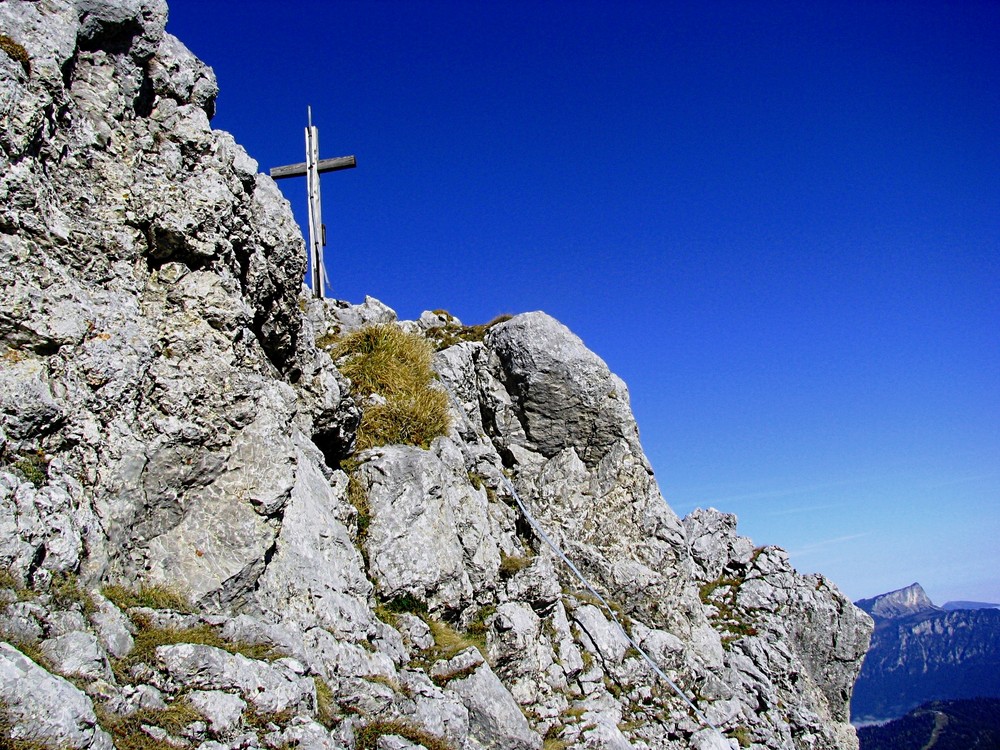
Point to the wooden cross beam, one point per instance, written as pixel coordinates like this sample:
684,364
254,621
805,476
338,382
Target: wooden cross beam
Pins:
311,169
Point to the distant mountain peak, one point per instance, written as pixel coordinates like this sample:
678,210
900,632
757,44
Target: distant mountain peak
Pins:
902,602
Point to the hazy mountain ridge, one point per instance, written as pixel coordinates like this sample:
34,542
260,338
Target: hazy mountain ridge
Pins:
194,554
950,606
920,653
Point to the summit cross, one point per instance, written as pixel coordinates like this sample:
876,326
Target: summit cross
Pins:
312,168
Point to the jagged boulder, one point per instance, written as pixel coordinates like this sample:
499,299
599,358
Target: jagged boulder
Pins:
563,395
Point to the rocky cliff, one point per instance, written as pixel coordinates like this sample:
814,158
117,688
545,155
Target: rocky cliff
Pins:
194,552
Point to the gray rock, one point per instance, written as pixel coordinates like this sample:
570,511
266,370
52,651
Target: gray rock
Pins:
458,665
125,24
437,710
269,687
798,635
340,318
44,523
565,394
222,710
413,543
436,319
176,73
415,630
78,654
600,635
306,734
708,739
113,629
495,719
316,575
47,708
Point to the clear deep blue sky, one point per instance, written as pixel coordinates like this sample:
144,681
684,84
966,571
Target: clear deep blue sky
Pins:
779,222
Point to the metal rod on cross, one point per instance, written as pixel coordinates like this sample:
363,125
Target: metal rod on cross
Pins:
311,169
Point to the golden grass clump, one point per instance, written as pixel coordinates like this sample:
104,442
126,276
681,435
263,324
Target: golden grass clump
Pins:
368,735
412,420
449,642
452,333
384,361
154,597
128,732
15,52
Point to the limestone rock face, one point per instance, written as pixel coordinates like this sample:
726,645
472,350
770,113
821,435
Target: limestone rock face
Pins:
563,395
45,707
774,615
191,548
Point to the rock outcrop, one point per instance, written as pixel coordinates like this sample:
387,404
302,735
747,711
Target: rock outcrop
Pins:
904,602
193,553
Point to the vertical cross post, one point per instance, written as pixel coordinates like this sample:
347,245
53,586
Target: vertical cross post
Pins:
311,169
316,239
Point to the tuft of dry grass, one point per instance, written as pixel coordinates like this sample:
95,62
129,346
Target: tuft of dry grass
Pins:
153,597
412,419
451,334
128,733
66,592
359,499
449,642
149,637
15,52
368,735
384,361
326,704
511,564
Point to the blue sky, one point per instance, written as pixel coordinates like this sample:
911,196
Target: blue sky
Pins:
779,222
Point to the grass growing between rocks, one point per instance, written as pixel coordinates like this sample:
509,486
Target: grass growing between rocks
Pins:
15,52
128,733
721,594
449,642
357,497
742,736
478,628
326,704
32,466
9,742
153,597
149,637
395,367
66,592
511,564
368,735
9,581
261,720
452,333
